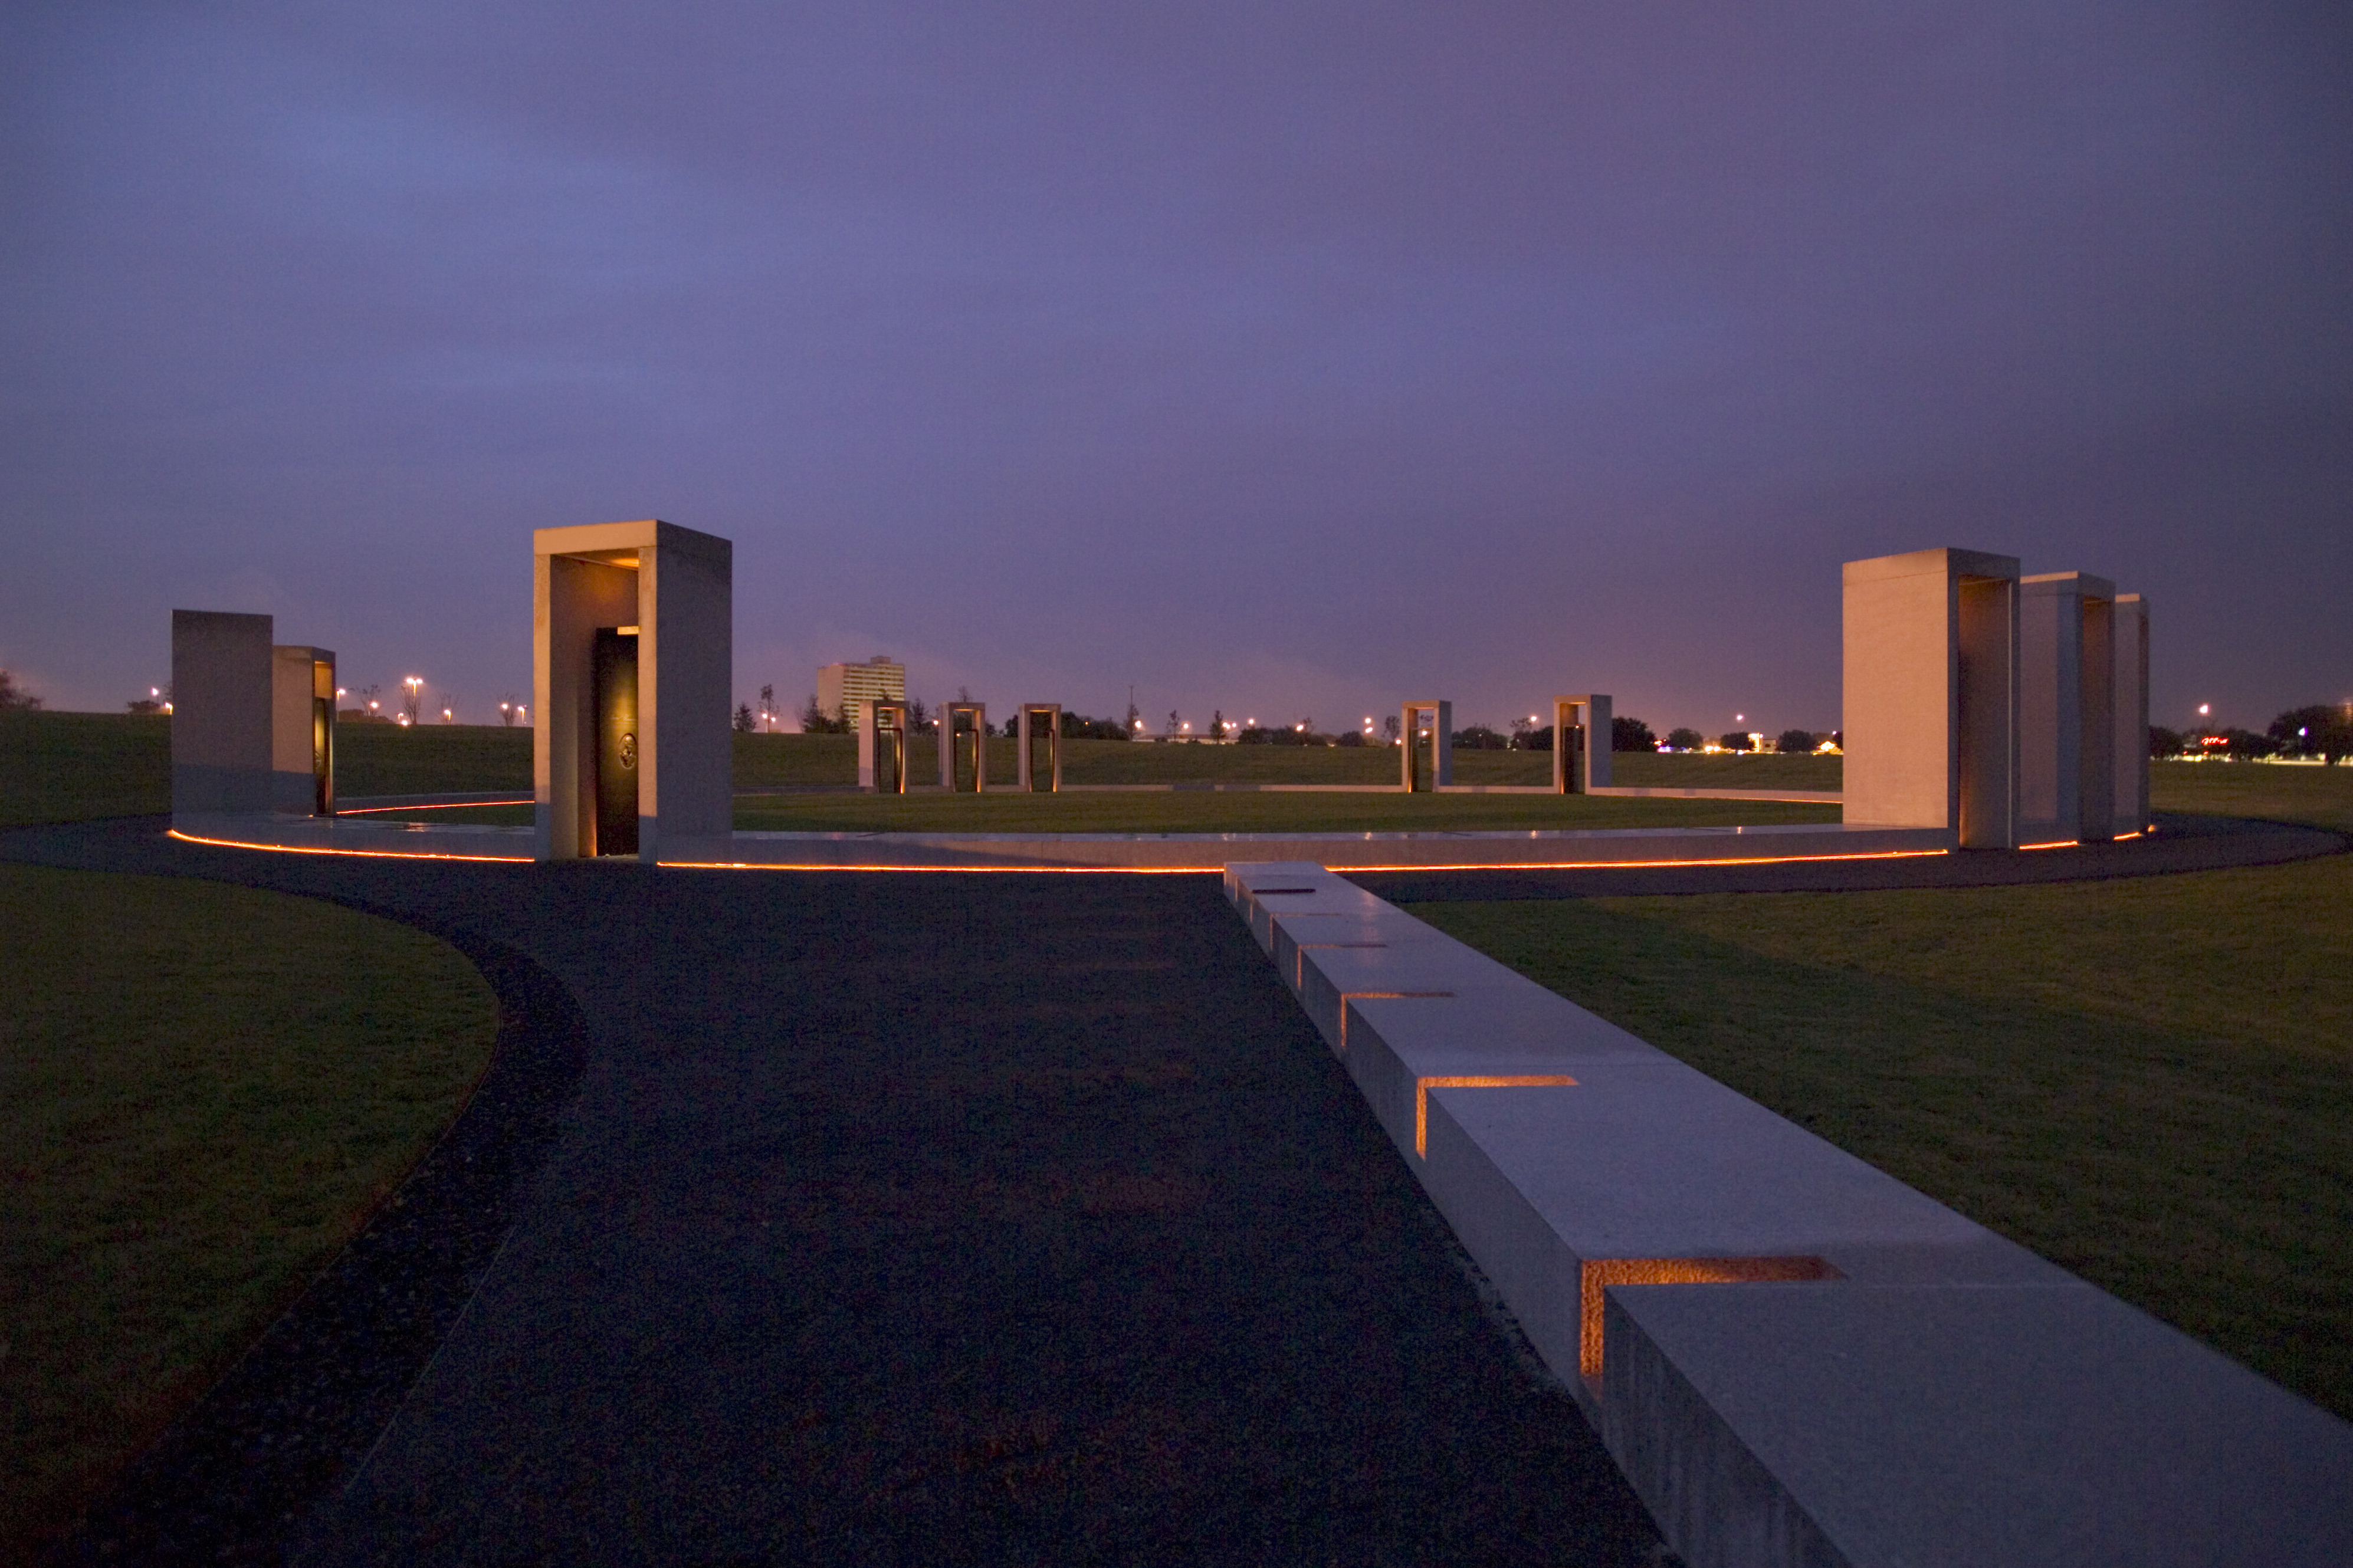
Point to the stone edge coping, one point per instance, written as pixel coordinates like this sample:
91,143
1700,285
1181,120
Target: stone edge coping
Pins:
1610,1178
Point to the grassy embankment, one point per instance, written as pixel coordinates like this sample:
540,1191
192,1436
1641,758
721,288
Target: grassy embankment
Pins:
202,1091
2149,1081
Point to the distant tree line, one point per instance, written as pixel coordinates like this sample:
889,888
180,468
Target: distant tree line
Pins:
2318,730
1626,733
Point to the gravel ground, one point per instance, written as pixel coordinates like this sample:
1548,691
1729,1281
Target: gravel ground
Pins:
933,1218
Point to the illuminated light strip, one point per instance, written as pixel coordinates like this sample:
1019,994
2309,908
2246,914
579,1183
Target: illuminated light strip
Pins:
949,870
1349,996
1598,1272
1299,955
442,806
1103,871
1422,1085
2055,844
1337,871
365,854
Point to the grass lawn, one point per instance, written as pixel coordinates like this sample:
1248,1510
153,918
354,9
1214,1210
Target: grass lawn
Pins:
770,760
67,767
202,1091
1157,812
2147,1081
62,767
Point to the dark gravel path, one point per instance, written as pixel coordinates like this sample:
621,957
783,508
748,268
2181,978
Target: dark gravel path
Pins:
931,1219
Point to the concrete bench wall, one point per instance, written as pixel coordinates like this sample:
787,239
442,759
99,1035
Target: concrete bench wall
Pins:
1795,1357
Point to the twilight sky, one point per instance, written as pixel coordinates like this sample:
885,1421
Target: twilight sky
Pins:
1291,359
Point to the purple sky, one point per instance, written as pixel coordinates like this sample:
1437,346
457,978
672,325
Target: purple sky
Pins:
1287,359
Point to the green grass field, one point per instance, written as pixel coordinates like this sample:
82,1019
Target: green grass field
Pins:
2147,1081
202,1091
67,766
771,760
1182,812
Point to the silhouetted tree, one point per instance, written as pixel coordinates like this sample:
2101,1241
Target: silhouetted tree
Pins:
2316,731
1734,740
816,720
1794,741
745,722
14,697
1631,735
1684,739
1479,738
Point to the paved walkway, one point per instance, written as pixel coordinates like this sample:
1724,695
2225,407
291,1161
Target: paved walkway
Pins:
925,1219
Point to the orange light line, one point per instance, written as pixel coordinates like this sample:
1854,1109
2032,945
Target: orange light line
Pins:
2054,844
1597,1273
1100,871
365,854
1337,871
1422,1085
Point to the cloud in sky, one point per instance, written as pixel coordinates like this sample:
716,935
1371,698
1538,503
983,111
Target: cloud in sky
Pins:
1270,357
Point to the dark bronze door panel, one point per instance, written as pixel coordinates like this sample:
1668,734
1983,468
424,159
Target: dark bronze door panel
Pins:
617,742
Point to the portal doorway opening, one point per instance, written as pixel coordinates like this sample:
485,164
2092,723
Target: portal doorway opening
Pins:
1039,738
322,737
1580,743
882,733
964,748
1428,739
614,684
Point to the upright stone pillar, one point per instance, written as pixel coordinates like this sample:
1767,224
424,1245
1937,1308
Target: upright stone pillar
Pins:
1930,709
302,731
632,676
2066,726
221,720
1580,745
1440,773
2130,709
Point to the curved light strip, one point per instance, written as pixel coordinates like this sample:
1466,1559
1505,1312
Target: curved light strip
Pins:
1083,870
364,854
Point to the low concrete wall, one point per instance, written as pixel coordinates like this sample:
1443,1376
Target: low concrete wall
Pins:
1794,1357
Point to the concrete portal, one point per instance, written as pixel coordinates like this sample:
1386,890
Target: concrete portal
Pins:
222,747
1439,771
253,724
1580,745
1041,725
2129,708
2066,690
1930,714
302,731
632,673
973,717
883,746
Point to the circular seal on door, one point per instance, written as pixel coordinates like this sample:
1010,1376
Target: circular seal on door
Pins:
629,748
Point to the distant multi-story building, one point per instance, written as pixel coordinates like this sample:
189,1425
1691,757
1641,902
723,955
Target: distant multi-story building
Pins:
846,689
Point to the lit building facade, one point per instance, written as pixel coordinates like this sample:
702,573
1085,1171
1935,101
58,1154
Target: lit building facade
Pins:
844,690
